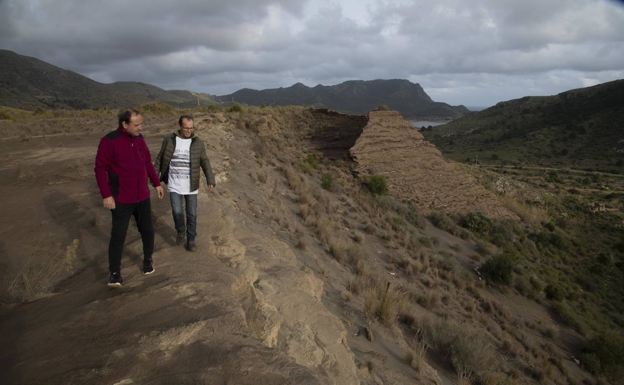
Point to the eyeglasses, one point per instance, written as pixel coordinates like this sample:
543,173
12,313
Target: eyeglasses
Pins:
187,128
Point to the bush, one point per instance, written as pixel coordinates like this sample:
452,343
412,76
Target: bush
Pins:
413,216
553,293
605,356
235,108
468,351
499,269
4,115
214,108
39,111
442,222
311,160
477,222
549,226
156,108
326,181
376,185
383,107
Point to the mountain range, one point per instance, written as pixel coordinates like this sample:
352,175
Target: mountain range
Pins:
355,97
28,83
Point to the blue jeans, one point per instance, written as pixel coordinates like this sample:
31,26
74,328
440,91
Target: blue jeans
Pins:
178,214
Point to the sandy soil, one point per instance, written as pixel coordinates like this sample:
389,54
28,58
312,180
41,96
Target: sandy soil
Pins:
248,308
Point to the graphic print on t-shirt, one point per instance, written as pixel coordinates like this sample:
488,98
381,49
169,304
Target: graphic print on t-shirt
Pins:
180,168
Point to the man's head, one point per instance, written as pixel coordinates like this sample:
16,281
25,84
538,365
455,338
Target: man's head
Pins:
186,126
130,121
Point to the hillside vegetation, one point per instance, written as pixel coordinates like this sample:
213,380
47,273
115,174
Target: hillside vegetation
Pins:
420,298
577,129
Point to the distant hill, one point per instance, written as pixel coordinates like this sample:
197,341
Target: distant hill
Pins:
28,83
354,97
581,128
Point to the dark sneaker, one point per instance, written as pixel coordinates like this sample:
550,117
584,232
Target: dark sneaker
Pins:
190,246
180,239
115,280
148,266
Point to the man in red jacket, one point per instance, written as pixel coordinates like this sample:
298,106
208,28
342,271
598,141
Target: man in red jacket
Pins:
122,168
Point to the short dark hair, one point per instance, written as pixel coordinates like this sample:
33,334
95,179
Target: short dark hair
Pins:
126,115
185,117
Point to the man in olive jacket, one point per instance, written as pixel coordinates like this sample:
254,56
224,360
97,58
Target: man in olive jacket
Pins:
181,155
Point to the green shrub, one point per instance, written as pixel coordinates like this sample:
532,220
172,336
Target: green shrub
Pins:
412,215
214,108
4,115
477,222
549,226
376,184
326,181
536,284
311,160
235,108
554,177
156,108
442,222
553,293
39,111
499,269
605,356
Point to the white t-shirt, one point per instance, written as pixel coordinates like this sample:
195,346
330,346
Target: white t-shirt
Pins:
180,168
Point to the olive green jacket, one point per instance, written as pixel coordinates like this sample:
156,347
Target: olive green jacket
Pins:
198,159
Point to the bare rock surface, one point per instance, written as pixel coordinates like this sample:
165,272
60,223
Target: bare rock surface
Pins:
416,170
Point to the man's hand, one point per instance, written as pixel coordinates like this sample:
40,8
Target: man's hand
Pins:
160,192
109,203
210,187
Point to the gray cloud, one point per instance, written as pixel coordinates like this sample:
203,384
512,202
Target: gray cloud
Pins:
473,52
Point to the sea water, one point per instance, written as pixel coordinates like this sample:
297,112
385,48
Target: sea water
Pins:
426,123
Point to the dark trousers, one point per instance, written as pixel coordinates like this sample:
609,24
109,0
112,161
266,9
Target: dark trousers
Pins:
178,214
142,213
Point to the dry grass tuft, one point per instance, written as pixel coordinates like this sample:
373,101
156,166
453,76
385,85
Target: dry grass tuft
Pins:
356,284
385,303
429,300
469,352
528,213
416,356
338,247
34,282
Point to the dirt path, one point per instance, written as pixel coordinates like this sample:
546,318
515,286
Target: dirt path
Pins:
213,316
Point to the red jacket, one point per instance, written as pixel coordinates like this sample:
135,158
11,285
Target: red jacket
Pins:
122,167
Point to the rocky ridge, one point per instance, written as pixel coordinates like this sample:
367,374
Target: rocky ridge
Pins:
417,171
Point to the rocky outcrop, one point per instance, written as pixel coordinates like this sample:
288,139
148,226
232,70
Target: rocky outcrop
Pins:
334,133
416,170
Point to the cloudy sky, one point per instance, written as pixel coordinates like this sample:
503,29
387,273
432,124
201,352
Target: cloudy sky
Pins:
471,52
